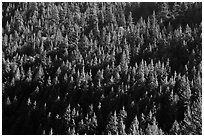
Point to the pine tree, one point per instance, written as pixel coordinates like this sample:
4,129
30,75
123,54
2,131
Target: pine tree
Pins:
184,90
112,126
121,127
39,75
93,124
152,129
51,132
130,19
67,119
17,75
175,130
7,102
134,127
81,127
122,114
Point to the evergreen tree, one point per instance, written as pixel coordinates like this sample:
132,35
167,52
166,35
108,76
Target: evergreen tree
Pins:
153,129
134,127
175,130
112,126
17,75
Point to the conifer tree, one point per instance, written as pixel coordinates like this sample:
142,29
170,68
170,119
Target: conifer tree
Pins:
121,127
112,126
152,129
17,75
134,127
39,75
175,130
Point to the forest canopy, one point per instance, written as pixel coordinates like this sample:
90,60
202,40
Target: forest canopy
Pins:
117,68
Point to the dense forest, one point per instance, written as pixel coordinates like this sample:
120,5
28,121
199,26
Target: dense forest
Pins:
98,68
